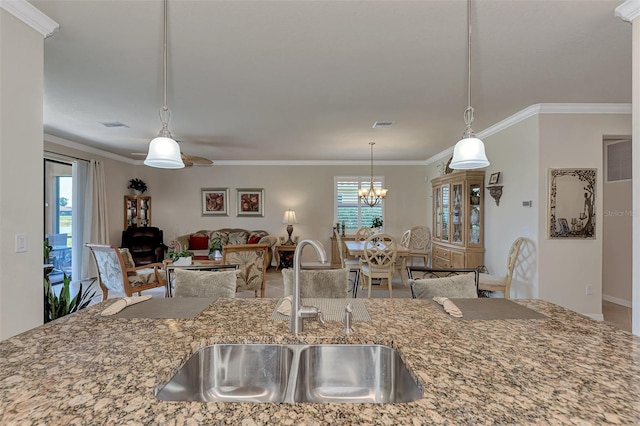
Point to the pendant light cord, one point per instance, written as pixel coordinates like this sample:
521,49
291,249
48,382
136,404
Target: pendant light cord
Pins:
468,113
371,143
165,114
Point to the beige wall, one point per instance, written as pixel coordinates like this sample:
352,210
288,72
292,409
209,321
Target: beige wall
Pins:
554,270
176,205
21,88
514,153
306,189
616,242
567,266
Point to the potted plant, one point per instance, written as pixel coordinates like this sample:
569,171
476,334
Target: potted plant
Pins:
46,250
215,249
175,255
56,306
376,222
138,186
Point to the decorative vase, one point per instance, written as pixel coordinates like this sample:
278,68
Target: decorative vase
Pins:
137,192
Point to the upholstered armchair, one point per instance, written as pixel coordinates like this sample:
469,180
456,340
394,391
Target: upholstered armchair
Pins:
145,244
118,273
252,262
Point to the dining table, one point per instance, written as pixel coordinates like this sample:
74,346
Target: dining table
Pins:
356,248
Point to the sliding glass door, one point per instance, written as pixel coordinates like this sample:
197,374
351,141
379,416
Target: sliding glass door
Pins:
58,217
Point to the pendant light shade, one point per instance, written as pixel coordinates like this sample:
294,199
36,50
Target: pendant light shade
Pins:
164,151
469,154
469,151
371,196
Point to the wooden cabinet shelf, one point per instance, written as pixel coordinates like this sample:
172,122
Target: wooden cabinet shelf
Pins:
137,210
458,224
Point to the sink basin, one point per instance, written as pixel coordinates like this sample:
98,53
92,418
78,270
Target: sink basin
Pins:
232,373
353,373
293,373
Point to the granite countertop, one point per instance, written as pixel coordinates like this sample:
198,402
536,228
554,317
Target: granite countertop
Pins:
566,369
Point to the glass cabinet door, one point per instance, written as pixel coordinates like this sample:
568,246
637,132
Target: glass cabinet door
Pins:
457,213
437,214
445,213
474,213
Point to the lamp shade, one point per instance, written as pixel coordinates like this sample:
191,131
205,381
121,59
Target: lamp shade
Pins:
164,153
289,217
469,154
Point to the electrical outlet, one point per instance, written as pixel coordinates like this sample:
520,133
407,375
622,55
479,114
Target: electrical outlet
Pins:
589,289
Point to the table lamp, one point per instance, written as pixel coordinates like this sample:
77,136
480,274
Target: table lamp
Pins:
289,218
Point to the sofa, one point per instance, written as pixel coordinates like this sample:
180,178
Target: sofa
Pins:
198,243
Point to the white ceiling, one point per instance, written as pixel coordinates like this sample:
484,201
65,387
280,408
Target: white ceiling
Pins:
305,80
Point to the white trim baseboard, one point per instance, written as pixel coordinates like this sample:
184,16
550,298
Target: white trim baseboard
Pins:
597,317
617,300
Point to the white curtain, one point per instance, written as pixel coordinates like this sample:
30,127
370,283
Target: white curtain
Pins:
89,215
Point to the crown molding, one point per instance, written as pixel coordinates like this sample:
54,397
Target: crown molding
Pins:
30,15
628,11
84,148
554,109
536,109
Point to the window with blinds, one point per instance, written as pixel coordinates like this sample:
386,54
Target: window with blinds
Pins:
348,208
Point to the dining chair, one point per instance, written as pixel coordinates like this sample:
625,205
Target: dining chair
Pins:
488,282
252,262
322,283
118,273
401,261
420,244
352,263
189,283
363,233
378,260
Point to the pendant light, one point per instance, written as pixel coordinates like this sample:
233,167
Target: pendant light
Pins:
469,151
164,151
371,196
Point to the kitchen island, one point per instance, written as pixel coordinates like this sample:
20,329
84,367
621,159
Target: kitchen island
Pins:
565,369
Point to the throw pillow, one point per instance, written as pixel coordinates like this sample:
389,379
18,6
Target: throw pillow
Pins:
457,286
204,283
238,237
128,261
198,242
329,283
254,239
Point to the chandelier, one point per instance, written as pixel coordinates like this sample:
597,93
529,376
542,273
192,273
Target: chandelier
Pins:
469,151
164,151
371,196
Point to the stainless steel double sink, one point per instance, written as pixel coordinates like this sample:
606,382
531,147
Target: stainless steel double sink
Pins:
293,373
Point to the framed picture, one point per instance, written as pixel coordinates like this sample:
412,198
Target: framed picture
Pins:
571,209
215,201
250,202
493,179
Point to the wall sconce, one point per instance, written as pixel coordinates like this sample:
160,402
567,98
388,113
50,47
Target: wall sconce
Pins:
496,192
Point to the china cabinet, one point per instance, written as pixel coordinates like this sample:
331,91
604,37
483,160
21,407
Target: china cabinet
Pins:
457,240
137,210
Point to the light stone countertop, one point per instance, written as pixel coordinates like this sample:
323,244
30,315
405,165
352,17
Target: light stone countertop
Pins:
567,369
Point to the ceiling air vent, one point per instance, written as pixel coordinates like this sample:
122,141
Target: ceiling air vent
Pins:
113,124
382,124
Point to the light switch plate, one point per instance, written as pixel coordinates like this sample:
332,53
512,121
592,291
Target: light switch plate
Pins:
21,243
